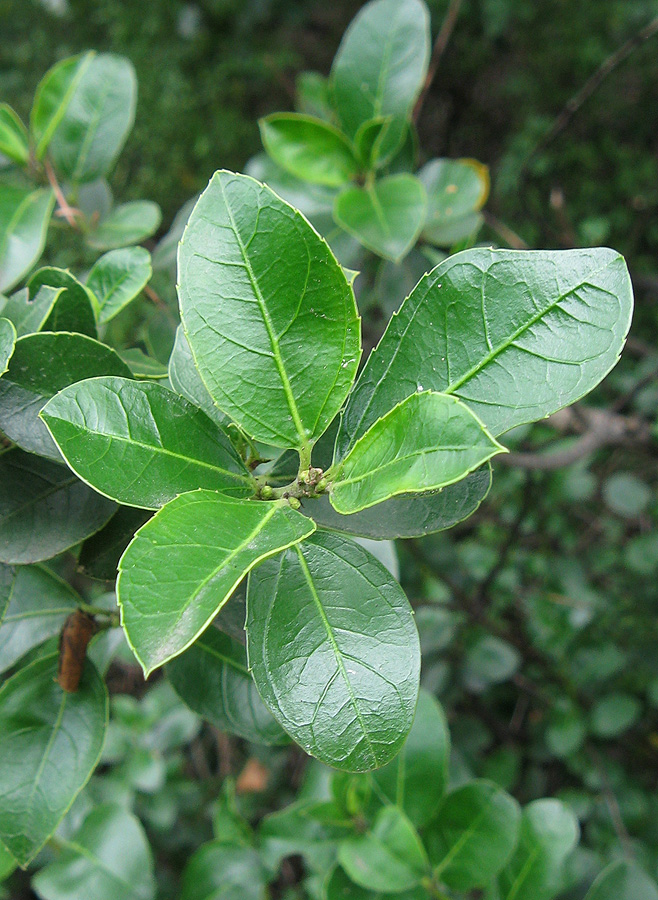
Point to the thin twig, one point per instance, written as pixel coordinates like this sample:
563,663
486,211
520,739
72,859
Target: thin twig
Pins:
505,232
606,68
442,39
64,210
613,804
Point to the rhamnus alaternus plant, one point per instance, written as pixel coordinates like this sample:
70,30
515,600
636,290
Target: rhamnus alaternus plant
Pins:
269,452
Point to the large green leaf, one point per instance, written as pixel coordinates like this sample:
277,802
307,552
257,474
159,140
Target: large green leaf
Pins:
268,312
386,216
213,679
73,308
107,858
171,585
474,834
549,832
13,136
52,98
516,334
623,880
24,218
185,379
416,779
381,65
44,508
7,343
36,606
456,190
389,857
50,743
427,442
140,444
126,224
117,278
334,651
41,366
219,871
309,148
409,515
97,119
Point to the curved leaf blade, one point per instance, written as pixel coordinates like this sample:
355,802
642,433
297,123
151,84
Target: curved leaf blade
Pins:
73,308
13,136
52,98
117,278
7,343
24,218
107,857
50,743
516,334
386,217
334,651
268,313
44,508
140,444
185,379
309,148
425,443
126,224
626,879
43,364
171,586
213,679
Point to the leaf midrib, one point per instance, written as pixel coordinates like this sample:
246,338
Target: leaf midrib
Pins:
276,350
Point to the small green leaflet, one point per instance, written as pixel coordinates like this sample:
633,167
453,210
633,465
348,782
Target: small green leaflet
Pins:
516,334
117,278
52,98
426,442
7,343
171,585
334,652
126,224
73,309
268,312
140,444
387,216
456,190
50,743
24,218
13,136
185,379
309,148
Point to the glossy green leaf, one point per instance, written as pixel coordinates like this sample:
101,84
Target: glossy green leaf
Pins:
549,832
140,444
36,606
117,278
416,779
212,678
409,515
389,857
52,98
13,136
381,64
73,309
339,886
29,314
50,743
7,343
386,217
309,148
24,218
474,834
126,224
456,189
108,857
220,871
623,880
143,366
426,442
44,508
98,117
42,365
334,651
100,553
516,334
267,311
171,586
185,379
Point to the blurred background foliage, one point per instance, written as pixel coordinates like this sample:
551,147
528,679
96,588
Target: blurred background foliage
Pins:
538,615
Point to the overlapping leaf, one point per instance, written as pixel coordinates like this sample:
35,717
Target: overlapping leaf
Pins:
117,278
309,148
24,218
